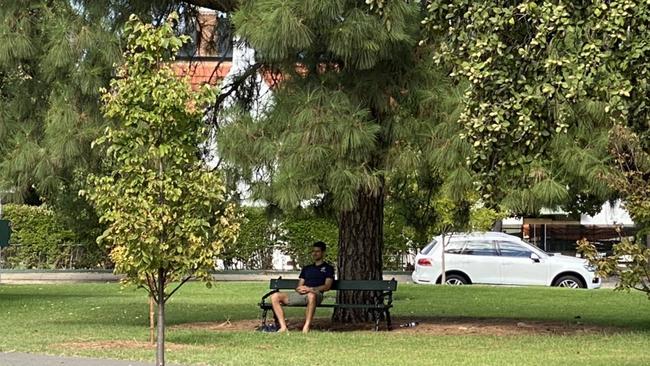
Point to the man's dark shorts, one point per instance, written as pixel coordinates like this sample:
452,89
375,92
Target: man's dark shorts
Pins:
296,299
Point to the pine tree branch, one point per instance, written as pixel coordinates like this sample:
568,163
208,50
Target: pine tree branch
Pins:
232,88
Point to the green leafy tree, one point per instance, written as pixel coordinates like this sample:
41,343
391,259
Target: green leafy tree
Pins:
353,104
167,215
537,139
412,197
557,107
629,262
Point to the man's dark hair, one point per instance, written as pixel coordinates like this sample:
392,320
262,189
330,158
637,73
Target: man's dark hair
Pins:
321,245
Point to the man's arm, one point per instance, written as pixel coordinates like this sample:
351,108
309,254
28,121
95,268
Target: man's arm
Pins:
324,287
301,289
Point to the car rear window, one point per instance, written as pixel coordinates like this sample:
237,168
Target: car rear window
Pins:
428,248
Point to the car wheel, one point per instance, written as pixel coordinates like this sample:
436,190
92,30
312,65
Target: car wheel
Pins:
569,281
455,280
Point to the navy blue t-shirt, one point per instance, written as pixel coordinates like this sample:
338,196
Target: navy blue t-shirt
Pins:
315,275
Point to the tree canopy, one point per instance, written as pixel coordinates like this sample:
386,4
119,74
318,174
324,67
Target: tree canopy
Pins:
357,99
532,113
54,58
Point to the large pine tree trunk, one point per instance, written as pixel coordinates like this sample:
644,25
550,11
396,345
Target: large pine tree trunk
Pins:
360,252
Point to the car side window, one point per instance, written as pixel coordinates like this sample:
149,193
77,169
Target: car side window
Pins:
454,247
480,247
509,249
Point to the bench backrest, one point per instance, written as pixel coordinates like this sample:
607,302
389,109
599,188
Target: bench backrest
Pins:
346,285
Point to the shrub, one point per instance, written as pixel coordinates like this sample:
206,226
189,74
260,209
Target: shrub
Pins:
398,240
39,239
259,236
303,231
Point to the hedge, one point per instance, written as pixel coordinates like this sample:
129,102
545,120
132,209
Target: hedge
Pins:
293,235
40,239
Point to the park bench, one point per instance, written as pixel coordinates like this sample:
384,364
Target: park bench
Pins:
380,305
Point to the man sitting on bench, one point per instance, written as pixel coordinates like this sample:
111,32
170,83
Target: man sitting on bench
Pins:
315,279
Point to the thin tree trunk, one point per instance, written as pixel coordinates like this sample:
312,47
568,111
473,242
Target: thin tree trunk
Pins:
160,342
498,225
360,252
443,277
152,322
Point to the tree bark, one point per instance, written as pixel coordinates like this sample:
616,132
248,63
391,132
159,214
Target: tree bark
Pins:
360,252
160,341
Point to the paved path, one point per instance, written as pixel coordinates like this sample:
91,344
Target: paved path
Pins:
29,359
44,276
35,277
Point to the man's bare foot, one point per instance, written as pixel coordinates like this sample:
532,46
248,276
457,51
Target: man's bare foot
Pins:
305,330
283,330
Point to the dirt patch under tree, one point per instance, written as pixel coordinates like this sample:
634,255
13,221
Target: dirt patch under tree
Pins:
432,326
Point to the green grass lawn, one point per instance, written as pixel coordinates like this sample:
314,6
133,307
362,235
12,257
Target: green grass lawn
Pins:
48,318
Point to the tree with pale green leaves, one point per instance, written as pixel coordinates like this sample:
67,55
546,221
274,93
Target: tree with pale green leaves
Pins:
537,139
167,214
558,104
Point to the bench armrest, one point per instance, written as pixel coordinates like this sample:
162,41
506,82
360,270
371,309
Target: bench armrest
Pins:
389,295
267,295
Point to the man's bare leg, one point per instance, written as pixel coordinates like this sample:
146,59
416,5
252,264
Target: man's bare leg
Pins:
277,300
309,313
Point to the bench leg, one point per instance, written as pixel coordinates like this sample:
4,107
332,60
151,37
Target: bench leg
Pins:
377,315
389,324
275,319
264,312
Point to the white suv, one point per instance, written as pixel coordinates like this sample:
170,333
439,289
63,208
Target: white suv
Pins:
499,258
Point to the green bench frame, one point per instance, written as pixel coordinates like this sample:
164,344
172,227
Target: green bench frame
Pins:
381,305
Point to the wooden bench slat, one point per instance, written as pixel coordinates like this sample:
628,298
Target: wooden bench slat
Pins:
338,285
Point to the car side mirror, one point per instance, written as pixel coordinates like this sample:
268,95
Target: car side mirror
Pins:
534,257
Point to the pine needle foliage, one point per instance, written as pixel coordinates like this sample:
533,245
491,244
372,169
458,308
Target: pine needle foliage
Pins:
51,69
359,100
54,58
